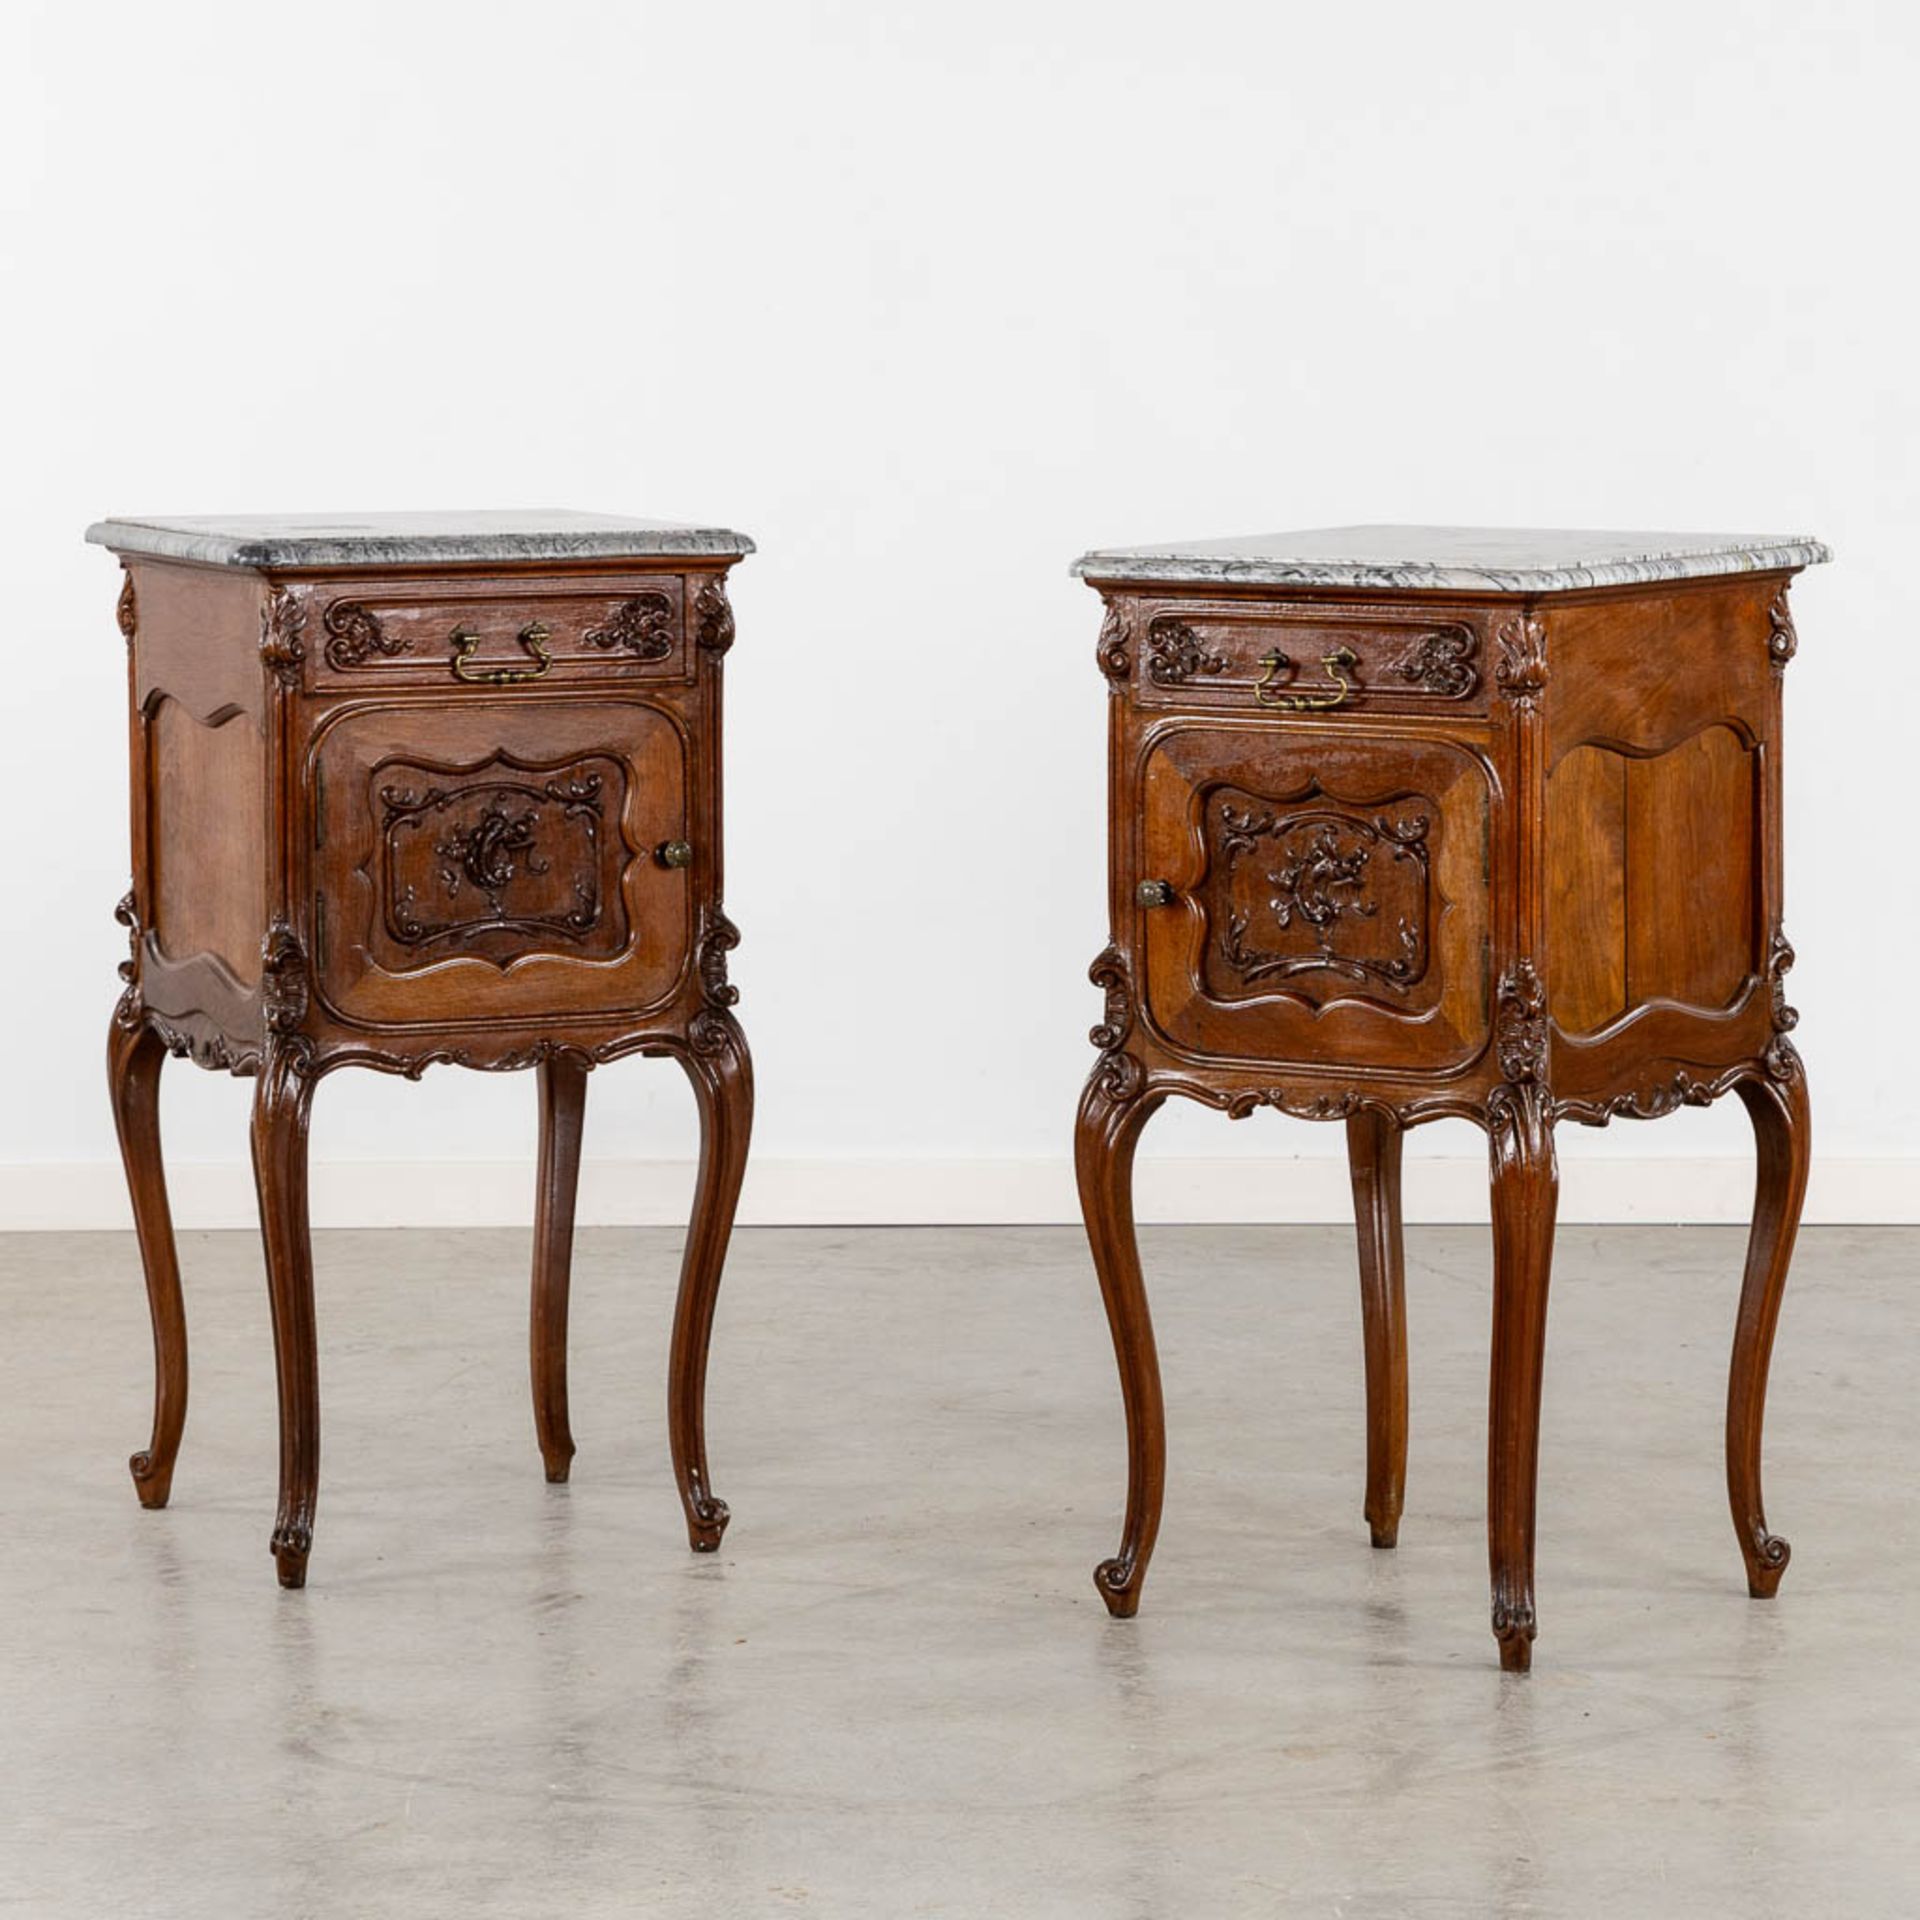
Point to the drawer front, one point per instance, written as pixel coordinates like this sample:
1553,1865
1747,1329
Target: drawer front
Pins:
500,858
491,633
1321,896
1298,658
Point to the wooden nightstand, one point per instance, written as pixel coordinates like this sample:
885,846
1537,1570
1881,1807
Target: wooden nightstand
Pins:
411,789
1421,822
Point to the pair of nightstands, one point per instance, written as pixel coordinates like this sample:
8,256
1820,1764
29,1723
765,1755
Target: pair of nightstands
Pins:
1405,824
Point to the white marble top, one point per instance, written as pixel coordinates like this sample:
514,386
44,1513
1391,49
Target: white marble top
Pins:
1500,559
406,539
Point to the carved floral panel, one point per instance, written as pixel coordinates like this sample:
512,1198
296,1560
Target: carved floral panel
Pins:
499,861
1315,886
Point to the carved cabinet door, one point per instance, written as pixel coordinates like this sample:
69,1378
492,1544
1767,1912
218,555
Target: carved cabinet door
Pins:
1328,895
499,856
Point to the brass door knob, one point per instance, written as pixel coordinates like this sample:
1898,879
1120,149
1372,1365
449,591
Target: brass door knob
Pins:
1154,893
676,853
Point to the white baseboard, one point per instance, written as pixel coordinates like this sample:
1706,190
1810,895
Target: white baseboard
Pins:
74,1195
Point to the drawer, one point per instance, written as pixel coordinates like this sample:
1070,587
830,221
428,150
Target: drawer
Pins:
1314,895
1300,658
500,857
484,632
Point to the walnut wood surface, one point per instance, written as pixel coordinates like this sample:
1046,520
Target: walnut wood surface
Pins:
394,818
563,1105
1373,1160
1520,864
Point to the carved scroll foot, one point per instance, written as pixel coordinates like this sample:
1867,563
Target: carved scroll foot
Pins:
718,1065
291,1545
282,1102
563,1100
135,1056
1373,1158
1525,1179
1113,1110
1782,1129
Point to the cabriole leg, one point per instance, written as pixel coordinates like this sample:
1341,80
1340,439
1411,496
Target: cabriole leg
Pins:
282,1100
1783,1138
717,1063
1525,1194
563,1100
1373,1159
1113,1110
135,1055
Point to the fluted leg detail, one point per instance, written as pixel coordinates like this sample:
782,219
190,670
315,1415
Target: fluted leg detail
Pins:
1373,1157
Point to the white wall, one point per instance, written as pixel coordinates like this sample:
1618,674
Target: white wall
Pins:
928,300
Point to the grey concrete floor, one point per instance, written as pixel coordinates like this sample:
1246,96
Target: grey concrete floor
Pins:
894,1692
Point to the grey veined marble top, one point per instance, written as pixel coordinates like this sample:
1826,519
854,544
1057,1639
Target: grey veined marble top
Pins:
406,539
1500,559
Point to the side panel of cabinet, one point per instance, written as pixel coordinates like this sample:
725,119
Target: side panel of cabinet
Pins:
499,856
1329,896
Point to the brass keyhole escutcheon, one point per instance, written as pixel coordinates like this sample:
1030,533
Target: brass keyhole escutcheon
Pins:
1154,893
1339,665
676,853
533,638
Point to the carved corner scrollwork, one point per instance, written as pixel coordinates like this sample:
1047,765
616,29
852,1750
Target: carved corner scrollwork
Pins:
1175,653
1115,662
1782,640
713,617
283,622
354,634
641,626
713,1030
284,988
126,611
1782,1057
718,938
129,1009
1117,1074
1521,671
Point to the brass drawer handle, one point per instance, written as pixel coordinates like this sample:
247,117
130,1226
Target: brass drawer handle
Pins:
1339,664
1154,893
676,853
533,638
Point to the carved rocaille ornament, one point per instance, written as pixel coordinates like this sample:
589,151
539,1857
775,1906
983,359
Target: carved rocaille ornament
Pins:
283,621
1175,653
1521,670
354,634
1442,663
1112,651
642,626
1298,887
128,1009
1520,1025
1782,641
283,979
1782,1057
713,617
1117,1074
127,609
713,1029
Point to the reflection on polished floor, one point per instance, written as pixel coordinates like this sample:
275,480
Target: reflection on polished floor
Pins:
894,1691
